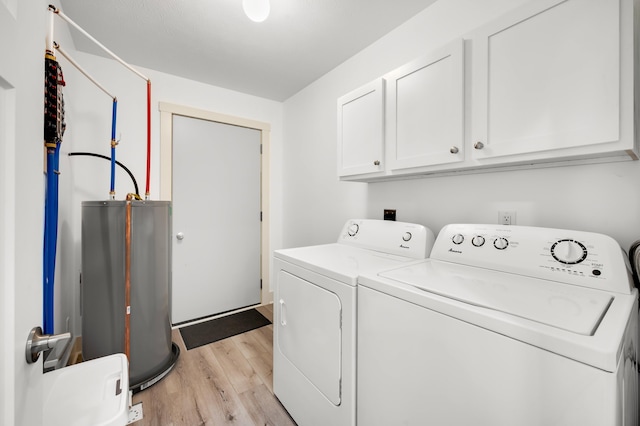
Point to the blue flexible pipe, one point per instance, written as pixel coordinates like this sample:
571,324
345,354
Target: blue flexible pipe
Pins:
53,130
47,312
112,190
50,236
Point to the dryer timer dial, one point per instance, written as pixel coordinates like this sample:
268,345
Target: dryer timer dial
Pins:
478,241
457,239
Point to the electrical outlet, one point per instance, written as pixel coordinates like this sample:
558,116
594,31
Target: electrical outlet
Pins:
389,214
507,217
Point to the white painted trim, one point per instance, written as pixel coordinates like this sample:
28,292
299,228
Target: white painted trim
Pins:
167,111
8,376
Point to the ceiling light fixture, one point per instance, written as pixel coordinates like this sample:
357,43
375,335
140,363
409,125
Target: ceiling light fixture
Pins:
256,10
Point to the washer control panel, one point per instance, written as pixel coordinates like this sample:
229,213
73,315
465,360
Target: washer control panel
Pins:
401,238
573,257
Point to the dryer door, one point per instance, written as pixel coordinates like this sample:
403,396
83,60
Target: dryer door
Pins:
309,332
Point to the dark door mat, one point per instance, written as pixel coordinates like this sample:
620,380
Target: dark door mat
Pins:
220,328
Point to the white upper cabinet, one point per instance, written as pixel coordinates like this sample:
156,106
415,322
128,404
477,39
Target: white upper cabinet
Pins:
425,117
549,81
546,81
361,130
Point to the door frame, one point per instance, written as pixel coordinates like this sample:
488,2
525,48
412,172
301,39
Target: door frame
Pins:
167,111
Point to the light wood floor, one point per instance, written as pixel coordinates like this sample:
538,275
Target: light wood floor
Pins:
228,382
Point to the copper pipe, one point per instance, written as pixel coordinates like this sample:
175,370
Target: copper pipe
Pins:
127,280
146,193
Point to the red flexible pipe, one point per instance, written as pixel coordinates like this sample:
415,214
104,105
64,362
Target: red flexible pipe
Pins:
148,137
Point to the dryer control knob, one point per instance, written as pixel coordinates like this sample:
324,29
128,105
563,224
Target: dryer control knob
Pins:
457,239
478,241
407,236
353,229
501,243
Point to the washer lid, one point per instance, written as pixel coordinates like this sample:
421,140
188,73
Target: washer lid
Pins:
567,307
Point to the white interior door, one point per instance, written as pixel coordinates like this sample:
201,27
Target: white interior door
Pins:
21,217
216,218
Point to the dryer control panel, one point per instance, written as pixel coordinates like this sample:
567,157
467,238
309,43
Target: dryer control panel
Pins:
401,238
573,257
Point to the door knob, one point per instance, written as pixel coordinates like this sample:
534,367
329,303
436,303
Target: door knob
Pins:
38,342
180,236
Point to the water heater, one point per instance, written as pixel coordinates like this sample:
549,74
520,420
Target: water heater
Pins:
152,354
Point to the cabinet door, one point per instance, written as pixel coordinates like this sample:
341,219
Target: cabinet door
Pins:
546,77
361,130
426,110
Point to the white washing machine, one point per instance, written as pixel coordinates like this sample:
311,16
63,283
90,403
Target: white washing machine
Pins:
314,359
503,325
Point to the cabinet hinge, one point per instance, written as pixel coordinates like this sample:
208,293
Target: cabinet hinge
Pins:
260,149
260,283
260,216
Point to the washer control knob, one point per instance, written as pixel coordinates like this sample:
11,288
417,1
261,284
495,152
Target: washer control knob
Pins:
353,229
407,236
568,251
501,243
457,239
478,241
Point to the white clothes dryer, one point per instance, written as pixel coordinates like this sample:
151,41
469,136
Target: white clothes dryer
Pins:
503,325
314,371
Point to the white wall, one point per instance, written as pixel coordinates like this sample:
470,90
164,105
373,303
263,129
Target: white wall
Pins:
88,118
308,203
600,198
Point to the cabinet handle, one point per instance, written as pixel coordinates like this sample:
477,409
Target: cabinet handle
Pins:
376,163
454,150
478,145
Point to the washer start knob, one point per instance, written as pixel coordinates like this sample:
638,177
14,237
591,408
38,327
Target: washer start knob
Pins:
568,251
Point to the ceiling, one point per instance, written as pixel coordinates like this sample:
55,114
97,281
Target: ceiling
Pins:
213,41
